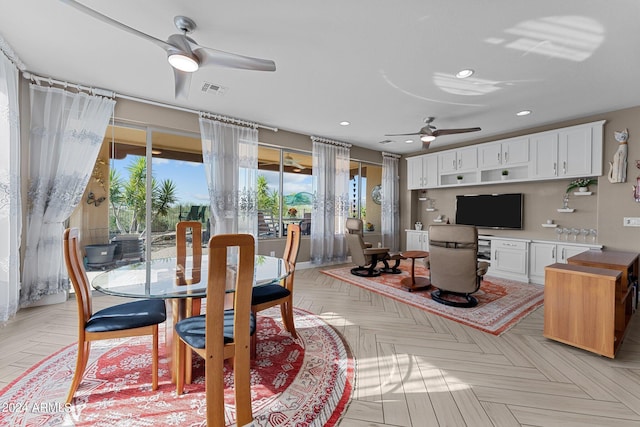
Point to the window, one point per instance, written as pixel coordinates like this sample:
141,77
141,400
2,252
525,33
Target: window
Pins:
178,191
364,194
284,191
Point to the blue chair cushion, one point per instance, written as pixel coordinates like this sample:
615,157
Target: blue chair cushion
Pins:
191,329
266,293
129,315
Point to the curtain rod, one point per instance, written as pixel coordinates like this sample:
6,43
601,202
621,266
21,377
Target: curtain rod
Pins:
330,141
112,94
10,54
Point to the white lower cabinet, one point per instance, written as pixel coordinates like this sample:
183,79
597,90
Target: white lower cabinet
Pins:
546,253
417,240
509,259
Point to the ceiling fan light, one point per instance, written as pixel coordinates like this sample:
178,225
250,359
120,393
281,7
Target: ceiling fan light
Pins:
183,62
463,74
427,138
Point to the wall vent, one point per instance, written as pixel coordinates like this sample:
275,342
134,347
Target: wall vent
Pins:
386,141
213,88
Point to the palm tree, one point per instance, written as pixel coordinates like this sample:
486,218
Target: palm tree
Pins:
131,196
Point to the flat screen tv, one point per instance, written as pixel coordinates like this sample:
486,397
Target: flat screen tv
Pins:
490,210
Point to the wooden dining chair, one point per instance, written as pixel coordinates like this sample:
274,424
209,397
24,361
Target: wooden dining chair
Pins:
192,306
281,294
130,319
222,334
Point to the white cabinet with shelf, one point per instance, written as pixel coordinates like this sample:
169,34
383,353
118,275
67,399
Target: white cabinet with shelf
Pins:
509,259
417,240
422,172
547,253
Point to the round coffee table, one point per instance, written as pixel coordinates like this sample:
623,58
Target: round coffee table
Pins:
412,283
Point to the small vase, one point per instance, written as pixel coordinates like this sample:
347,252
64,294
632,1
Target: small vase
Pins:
583,189
459,181
504,177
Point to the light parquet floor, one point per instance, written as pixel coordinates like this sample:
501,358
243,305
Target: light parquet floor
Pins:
417,369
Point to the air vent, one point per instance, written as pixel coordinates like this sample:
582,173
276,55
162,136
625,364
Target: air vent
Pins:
386,141
213,88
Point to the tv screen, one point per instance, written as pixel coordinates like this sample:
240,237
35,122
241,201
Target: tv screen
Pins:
490,210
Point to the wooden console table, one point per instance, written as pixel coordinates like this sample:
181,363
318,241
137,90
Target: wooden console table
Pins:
589,301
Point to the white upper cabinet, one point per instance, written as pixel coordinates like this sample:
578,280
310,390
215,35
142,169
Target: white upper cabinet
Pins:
503,154
460,160
567,153
422,172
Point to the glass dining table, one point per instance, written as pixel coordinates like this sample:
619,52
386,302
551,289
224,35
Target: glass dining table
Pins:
167,278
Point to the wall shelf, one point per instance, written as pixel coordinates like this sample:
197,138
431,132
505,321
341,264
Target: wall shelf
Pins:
569,210
431,209
549,225
583,193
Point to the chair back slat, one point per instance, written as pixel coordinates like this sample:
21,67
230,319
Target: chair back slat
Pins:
181,251
241,275
78,276
291,251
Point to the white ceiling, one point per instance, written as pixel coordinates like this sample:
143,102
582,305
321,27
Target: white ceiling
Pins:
382,65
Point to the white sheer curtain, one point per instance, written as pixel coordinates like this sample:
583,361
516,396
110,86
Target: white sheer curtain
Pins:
66,134
330,200
390,214
230,155
10,201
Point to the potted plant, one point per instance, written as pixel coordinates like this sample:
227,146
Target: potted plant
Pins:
459,178
582,184
505,174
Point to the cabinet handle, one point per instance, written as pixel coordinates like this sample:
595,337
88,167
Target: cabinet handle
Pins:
553,253
459,163
506,157
495,255
508,244
562,257
555,168
564,167
453,163
498,157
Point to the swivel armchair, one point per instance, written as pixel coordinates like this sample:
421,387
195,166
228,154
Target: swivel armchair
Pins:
363,255
453,264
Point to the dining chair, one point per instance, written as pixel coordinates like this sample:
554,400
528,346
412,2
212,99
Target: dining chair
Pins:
222,334
281,294
130,319
192,306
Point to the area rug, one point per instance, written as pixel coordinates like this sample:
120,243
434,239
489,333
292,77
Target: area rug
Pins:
501,303
302,382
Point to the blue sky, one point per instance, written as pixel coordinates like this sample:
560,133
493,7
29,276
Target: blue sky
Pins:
191,184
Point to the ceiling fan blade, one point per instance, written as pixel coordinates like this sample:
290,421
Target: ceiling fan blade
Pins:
183,83
208,56
402,134
440,132
88,11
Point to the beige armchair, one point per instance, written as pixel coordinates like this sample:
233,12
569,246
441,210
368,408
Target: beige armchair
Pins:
355,226
453,264
366,258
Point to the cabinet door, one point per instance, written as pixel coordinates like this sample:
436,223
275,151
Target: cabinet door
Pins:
414,241
415,177
544,155
430,171
508,256
574,152
467,159
567,251
515,151
542,255
447,161
490,155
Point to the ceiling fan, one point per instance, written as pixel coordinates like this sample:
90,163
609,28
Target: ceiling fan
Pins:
429,132
288,161
183,53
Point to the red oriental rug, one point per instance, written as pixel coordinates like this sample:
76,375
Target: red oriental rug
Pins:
501,303
302,382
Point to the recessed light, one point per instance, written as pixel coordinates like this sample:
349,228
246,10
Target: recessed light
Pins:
523,113
463,74
409,141
345,123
